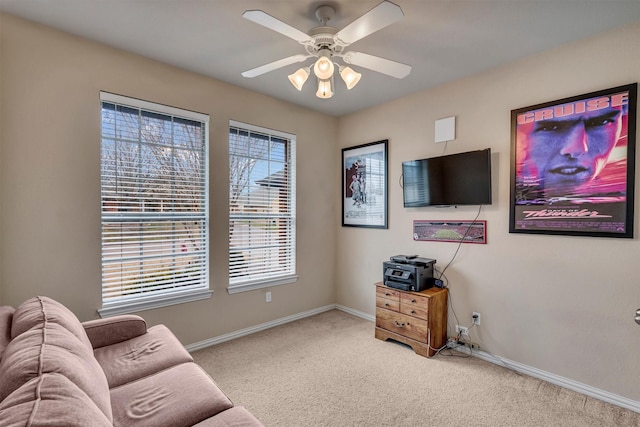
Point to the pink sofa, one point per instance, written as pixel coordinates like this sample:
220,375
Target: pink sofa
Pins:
56,371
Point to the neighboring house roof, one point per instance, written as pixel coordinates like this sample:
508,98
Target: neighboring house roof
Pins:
267,194
278,179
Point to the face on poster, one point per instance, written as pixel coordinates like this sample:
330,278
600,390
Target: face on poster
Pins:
573,164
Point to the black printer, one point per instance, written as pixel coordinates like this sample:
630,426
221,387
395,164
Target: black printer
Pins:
408,272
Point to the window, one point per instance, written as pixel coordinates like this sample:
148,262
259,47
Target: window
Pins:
154,194
262,208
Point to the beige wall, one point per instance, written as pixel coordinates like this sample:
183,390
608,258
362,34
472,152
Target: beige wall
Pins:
563,305
50,183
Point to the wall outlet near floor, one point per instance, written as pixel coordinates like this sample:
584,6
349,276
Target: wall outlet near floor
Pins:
462,330
475,317
268,296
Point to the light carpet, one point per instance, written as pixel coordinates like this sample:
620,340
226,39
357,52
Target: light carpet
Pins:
328,370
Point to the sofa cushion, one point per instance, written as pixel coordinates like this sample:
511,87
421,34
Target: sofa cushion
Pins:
51,348
182,395
144,355
234,417
6,316
36,310
50,400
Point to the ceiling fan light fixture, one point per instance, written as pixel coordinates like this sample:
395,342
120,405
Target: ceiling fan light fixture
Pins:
349,76
323,68
325,89
298,78
326,43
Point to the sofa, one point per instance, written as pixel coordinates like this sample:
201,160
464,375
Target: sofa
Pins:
57,371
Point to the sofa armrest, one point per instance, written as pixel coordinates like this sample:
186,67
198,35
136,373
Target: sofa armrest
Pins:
112,330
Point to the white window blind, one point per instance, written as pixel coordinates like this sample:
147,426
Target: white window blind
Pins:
262,207
154,191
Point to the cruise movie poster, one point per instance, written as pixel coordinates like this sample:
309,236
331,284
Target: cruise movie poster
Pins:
573,164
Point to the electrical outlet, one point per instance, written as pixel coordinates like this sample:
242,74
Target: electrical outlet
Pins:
268,296
462,330
475,317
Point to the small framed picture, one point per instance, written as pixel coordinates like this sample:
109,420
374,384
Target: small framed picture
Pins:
450,231
364,185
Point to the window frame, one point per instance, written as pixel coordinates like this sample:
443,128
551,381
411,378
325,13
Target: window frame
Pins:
292,275
171,297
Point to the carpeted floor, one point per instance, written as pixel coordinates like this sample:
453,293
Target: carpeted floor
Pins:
329,370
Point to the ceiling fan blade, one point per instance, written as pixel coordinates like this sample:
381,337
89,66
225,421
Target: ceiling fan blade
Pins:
274,65
266,20
384,14
375,63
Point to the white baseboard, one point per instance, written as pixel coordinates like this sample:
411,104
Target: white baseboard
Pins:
253,329
365,316
557,380
509,364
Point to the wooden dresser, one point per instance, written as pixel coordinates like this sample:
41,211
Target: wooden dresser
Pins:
418,319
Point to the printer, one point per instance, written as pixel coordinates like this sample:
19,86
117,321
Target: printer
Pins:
408,272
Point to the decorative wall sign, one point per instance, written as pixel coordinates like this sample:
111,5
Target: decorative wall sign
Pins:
364,185
573,165
451,231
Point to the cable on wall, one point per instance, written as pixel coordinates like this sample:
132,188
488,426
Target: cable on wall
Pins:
461,241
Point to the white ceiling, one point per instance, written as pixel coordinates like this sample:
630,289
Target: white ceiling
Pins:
443,40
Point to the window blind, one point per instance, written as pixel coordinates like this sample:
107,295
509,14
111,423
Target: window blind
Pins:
154,194
262,229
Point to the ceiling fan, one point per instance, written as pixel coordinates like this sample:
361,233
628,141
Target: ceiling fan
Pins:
327,44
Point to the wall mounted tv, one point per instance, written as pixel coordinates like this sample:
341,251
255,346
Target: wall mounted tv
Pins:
455,179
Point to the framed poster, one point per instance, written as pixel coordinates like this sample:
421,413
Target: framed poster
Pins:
364,185
573,165
450,231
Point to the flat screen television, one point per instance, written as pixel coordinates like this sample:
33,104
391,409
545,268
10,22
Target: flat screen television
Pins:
455,179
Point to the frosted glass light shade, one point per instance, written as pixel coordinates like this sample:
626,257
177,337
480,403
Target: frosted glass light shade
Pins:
325,90
350,77
323,68
298,78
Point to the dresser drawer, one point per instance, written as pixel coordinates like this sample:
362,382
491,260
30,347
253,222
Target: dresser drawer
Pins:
401,324
389,304
388,293
414,305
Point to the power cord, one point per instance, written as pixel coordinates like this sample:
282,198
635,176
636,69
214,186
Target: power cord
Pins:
458,340
466,233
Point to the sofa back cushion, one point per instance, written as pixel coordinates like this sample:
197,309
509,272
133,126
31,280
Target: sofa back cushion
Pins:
51,400
37,310
6,316
51,345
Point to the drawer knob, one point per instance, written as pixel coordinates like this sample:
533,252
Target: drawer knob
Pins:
413,300
387,294
413,312
398,324
386,304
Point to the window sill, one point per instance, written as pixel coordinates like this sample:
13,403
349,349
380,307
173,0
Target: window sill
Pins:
260,284
128,307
